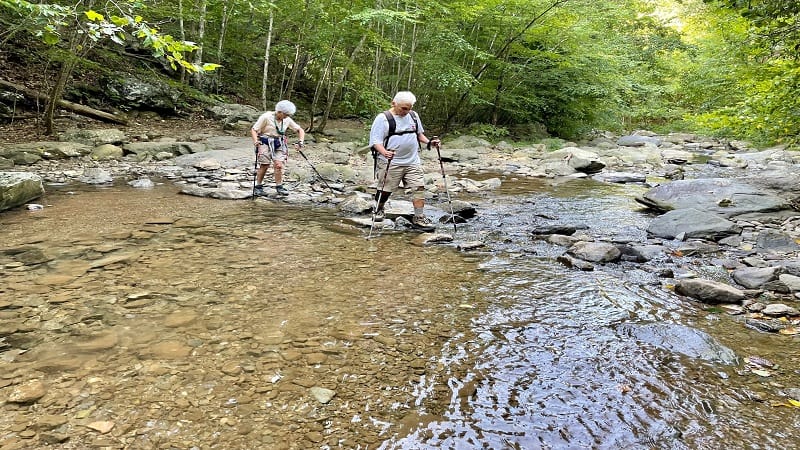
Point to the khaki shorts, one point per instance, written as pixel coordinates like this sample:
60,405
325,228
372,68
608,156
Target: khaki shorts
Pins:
265,156
411,176
271,151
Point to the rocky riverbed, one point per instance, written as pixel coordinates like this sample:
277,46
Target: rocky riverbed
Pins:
723,232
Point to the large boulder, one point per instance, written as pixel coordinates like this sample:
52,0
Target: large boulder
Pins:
707,291
144,149
722,196
28,153
692,223
18,188
638,141
94,137
581,160
130,93
230,113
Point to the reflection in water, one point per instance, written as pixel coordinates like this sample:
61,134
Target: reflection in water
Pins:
203,323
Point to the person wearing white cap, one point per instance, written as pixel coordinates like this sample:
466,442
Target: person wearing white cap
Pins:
269,138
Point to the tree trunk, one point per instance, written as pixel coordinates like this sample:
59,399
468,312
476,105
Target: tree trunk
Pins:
498,55
74,107
266,64
75,42
332,92
183,35
201,34
411,57
325,75
293,74
223,28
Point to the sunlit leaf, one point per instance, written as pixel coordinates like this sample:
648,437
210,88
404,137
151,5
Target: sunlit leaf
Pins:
120,21
794,403
762,372
790,331
94,16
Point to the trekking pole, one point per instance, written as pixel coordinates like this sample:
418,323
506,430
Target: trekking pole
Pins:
312,167
446,190
379,196
255,173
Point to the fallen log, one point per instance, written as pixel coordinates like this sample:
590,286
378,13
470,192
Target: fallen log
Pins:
74,107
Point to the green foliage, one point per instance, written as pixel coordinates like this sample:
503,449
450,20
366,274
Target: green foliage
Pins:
48,21
726,67
744,85
487,131
553,144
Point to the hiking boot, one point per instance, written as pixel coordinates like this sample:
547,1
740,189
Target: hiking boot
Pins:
423,223
281,190
379,215
259,190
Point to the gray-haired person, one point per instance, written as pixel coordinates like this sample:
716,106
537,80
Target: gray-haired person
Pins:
269,137
400,152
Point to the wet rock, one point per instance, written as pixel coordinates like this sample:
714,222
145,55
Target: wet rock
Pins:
96,175
142,183
642,253
106,152
765,325
595,251
101,426
682,339
708,291
18,188
322,395
564,241
620,177
432,238
691,223
27,392
638,141
567,230
704,195
356,203
168,350
471,245
571,262
776,241
779,309
755,277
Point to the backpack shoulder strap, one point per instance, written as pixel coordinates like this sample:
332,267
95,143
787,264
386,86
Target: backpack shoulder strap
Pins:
416,122
392,126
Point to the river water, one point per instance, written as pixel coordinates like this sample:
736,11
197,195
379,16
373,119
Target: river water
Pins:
182,322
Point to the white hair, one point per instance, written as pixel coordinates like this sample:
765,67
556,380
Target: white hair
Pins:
286,107
405,97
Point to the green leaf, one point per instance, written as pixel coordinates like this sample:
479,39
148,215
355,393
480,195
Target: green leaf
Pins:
94,16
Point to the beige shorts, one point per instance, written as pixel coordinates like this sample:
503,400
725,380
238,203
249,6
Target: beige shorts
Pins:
268,154
265,156
411,176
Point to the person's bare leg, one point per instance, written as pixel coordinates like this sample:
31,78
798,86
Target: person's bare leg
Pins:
278,173
279,179
262,171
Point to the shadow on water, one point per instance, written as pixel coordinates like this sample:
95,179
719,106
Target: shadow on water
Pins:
528,354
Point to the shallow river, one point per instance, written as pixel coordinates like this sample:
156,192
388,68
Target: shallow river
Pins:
147,319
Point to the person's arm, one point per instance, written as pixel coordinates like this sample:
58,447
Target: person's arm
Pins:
254,133
435,142
301,133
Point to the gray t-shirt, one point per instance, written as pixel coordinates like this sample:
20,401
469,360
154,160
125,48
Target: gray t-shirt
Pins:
405,146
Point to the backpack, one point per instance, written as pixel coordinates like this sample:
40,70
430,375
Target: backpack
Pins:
392,128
